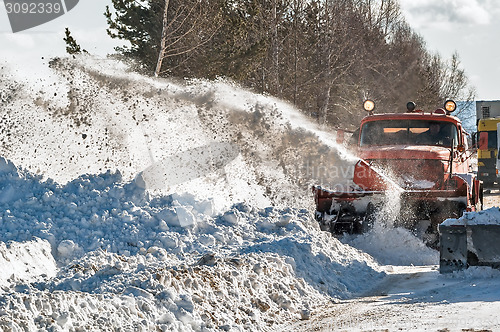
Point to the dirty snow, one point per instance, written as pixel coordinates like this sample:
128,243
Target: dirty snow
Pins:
417,298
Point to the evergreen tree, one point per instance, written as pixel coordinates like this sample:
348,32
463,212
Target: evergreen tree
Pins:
72,46
139,23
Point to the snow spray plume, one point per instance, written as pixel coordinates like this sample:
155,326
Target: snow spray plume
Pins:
389,212
173,136
187,165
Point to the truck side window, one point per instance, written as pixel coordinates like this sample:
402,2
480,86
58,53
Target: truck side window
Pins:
354,140
492,140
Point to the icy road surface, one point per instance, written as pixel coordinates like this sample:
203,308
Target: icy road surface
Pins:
417,298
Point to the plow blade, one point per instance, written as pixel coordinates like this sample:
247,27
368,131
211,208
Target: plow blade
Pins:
452,248
483,245
469,245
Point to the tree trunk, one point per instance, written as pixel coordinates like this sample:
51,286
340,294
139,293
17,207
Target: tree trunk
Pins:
163,41
297,8
327,66
275,52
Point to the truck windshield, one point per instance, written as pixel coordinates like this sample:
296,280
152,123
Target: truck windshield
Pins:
408,132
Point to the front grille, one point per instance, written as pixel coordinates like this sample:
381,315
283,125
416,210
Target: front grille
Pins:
413,173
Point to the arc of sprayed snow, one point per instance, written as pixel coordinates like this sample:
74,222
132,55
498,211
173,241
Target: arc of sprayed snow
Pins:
187,165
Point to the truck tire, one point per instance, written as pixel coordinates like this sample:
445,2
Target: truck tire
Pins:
369,218
447,210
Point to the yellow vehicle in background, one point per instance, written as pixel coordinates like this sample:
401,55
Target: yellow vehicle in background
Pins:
487,151
488,116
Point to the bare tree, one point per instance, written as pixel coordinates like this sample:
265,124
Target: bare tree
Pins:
192,22
275,49
163,39
455,85
297,13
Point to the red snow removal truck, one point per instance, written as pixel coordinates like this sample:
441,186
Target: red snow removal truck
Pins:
414,169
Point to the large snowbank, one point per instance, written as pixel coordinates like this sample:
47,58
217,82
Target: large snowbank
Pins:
154,204
147,262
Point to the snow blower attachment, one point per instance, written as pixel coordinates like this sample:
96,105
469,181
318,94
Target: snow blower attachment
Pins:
353,210
419,159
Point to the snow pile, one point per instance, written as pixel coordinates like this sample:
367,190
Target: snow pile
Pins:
163,262
26,262
489,216
394,246
475,272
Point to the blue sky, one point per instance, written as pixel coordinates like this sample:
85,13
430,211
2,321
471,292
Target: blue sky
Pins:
469,27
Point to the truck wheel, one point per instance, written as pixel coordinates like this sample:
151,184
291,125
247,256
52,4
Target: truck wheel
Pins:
457,210
369,219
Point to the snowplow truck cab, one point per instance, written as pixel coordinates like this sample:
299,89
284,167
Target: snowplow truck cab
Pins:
415,164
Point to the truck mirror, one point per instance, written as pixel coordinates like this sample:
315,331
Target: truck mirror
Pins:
474,139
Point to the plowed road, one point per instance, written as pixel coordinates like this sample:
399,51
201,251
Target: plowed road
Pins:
417,298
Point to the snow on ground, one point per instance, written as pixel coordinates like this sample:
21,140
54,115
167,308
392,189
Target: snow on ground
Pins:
24,261
489,216
417,298
150,204
385,244
414,296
